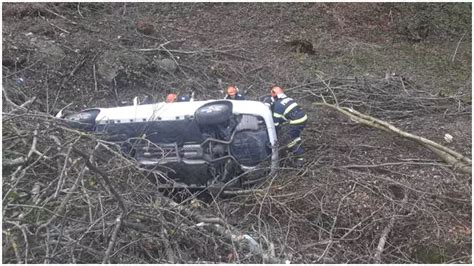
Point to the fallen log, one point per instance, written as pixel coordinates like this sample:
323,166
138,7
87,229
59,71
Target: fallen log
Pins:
453,158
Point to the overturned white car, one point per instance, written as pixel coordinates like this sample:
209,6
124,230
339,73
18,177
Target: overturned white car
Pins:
196,143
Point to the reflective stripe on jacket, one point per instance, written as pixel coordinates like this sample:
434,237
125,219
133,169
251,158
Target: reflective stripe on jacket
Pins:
285,109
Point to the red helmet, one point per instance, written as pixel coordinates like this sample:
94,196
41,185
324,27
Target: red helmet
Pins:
275,90
171,97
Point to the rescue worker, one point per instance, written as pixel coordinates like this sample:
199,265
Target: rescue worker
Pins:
267,100
287,113
171,97
233,94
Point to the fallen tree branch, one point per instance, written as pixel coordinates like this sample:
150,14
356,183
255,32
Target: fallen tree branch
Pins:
59,211
61,16
222,228
13,162
388,164
457,47
385,232
453,158
113,239
104,177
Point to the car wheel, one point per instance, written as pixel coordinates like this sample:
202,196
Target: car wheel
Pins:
214,113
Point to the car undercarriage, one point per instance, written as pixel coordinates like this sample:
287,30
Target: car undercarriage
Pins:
213,145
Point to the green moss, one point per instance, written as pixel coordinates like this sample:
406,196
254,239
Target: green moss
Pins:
430,254
429,65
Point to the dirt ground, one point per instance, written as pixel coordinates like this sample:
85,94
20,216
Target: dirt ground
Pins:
373,57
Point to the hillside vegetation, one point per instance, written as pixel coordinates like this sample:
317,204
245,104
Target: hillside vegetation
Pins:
364,195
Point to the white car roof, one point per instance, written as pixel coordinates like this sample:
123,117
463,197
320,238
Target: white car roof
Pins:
173,111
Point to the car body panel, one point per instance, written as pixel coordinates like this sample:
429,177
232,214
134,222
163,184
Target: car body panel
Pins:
190,136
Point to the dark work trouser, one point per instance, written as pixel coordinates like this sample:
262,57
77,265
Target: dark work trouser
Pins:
291,137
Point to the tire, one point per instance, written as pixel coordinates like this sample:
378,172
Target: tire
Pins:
213,113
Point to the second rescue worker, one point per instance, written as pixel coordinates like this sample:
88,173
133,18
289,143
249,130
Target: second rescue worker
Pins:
233,94
173,97
286,111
